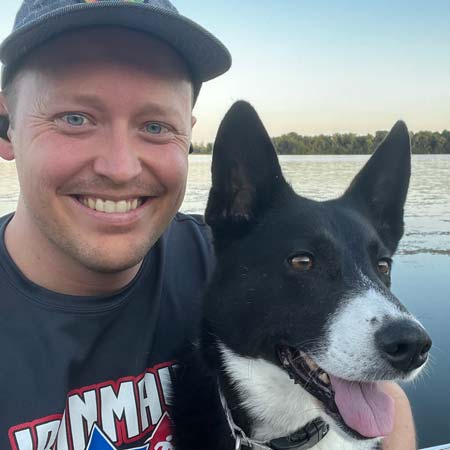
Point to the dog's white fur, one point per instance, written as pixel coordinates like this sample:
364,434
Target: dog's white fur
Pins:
278,407
350,351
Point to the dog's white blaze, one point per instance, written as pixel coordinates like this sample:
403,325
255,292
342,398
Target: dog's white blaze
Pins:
278,407
351,352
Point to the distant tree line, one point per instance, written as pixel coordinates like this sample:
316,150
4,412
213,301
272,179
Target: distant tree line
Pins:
423,142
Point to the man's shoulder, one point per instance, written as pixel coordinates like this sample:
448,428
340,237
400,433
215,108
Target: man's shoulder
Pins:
196,219
188,242
190,224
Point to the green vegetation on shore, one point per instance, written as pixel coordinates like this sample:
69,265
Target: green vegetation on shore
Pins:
423,142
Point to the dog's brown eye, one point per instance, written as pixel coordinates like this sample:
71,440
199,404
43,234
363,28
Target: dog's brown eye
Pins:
301,262
384,266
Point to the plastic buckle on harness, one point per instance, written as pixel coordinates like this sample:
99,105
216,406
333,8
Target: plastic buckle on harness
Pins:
304,439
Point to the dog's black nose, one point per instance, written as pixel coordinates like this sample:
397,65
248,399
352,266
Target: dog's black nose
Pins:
404,343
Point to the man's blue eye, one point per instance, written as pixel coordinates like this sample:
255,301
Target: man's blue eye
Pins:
76,120
155,128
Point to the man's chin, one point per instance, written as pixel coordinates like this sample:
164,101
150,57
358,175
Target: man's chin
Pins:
104,261
104,255
112,267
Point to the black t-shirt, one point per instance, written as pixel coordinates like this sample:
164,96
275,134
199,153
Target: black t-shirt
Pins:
94,373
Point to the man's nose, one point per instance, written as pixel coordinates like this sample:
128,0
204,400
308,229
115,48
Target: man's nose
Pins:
118,160
404,344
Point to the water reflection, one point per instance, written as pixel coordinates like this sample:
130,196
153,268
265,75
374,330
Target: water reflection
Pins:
427,213
421,282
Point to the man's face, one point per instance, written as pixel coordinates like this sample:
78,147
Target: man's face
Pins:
101,138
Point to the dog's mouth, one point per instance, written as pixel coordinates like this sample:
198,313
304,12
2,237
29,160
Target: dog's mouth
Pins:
360,408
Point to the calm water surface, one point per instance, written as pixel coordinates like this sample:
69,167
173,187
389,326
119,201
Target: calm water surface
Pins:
421,277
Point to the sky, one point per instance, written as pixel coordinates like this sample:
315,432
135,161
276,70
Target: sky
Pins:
323,66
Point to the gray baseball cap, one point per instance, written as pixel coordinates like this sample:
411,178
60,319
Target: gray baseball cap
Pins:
39,20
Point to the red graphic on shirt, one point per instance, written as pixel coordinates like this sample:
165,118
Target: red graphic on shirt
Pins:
162,438
128,411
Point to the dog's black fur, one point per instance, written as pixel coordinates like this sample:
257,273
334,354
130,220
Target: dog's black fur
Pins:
257,299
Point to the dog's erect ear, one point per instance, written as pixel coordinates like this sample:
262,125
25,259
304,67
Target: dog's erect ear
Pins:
380,188
245,172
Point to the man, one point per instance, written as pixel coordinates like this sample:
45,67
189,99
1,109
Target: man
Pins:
99,274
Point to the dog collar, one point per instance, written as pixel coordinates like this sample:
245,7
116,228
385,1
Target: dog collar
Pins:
304,438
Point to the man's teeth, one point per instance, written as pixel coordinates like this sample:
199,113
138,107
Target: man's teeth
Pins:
108,206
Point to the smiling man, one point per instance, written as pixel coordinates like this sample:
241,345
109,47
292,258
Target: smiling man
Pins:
98,271
100,136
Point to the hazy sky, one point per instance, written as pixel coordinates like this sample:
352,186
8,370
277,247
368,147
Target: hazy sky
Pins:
324,66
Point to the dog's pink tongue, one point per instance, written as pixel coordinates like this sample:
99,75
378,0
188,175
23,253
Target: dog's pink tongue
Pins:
364,407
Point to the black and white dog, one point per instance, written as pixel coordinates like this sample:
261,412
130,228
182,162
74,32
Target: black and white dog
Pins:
299,326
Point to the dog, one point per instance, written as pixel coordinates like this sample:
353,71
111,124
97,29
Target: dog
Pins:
299,328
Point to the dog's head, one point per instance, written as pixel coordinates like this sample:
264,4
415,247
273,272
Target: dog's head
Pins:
301,286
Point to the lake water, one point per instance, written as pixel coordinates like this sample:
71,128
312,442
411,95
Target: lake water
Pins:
421,276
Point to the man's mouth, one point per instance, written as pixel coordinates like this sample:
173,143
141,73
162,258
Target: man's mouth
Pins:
110,206
362,409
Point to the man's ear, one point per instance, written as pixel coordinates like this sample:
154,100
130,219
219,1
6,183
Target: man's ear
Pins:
6,149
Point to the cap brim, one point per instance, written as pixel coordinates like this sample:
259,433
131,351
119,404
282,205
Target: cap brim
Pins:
205,55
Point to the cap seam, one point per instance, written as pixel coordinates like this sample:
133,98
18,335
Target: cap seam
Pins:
205,54
81,6
102,5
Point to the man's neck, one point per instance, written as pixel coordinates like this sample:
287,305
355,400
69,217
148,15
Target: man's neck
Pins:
46,266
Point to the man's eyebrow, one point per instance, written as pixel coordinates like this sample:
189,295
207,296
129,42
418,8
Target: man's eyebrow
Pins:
87,99
160,110
149,107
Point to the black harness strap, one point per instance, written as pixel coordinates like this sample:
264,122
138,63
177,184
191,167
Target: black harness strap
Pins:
303,439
